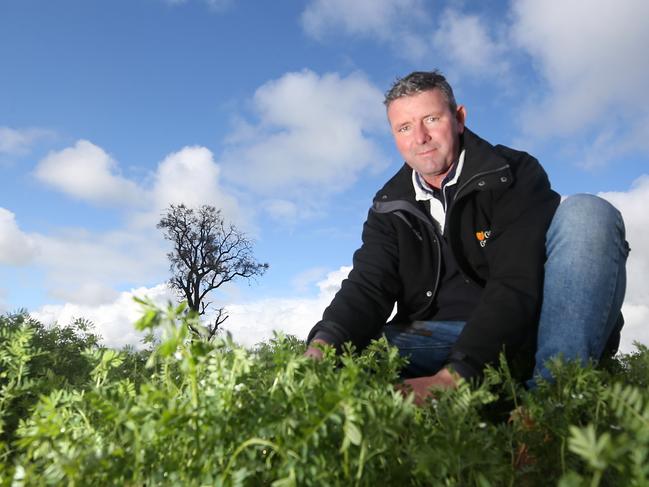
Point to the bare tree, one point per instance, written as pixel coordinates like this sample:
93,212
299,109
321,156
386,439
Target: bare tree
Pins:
206,254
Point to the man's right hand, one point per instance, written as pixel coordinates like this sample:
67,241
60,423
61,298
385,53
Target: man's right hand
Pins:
313,351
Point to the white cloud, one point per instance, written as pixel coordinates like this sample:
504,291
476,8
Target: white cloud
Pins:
466,41
313,134
302,281
391,21
281,209
15,141
82,266
113,321
254,322
87,172
249,323
633,205
592,57
90,292
16,247
616,143
636,317
375,18
191,176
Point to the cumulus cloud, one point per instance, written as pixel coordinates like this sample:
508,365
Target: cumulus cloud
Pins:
389,21
633,205
82,266
192,176
593,65
302,281
616,143
249,323
636,317
314,133
254,322
280,209
113,321
87,172
16,247
90,292
375,18
468,43
17,141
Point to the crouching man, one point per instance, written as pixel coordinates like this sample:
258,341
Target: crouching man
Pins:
474,247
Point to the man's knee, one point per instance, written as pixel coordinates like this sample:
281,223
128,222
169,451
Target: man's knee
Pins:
588,210
585,221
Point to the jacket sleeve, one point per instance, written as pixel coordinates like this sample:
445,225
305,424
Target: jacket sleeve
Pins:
507,314
366,298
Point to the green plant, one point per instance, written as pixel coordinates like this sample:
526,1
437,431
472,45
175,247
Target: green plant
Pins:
214,413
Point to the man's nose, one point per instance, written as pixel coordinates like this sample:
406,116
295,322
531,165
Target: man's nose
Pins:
421,134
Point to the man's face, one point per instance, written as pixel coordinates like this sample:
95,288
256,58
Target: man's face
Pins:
427,133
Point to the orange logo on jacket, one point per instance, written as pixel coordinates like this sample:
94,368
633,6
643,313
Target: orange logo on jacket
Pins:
483,236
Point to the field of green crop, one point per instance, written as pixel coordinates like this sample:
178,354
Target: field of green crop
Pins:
191,412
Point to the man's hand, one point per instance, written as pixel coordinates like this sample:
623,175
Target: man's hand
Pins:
315,352
421,386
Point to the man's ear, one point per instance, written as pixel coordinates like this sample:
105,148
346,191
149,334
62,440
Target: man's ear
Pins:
460,117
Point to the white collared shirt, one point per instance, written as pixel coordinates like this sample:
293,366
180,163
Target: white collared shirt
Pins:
437,208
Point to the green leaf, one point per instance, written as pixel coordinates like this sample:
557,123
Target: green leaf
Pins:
352,433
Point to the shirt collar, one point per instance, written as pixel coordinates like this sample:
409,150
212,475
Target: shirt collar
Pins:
423,191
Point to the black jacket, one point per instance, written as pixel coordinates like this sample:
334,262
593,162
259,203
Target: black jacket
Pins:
496,225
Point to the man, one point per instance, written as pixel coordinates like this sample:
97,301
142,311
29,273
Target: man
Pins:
457,238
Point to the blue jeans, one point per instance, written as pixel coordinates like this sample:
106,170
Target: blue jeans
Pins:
585,280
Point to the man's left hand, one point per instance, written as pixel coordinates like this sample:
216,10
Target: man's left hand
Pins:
421,386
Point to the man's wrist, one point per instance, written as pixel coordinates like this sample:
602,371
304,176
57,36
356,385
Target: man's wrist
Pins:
315,348
318,341
323,337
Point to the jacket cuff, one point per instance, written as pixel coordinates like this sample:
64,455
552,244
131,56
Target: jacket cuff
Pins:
463,369
462,364
324,336
329,331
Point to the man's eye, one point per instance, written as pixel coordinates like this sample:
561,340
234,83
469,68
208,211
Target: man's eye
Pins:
431,119
405,128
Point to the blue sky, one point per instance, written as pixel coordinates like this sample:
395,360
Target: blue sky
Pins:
110,111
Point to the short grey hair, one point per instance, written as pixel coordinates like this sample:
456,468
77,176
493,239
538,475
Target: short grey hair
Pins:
418,82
